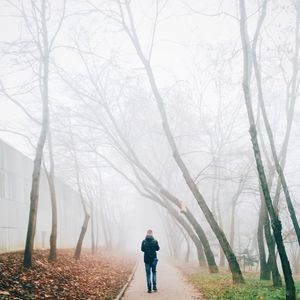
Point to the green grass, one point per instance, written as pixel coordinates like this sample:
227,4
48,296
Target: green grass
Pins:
219,286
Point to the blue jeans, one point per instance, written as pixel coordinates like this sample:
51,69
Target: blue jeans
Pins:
149,268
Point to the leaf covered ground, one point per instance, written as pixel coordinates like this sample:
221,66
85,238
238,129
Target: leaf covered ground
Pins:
99,276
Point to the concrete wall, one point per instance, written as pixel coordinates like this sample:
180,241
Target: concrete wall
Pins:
15,186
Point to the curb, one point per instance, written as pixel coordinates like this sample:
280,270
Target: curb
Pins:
124,288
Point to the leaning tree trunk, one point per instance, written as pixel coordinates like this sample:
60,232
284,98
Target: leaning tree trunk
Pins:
184,225
166,204
34,195
213,268
264,230
135,163
53,236
272,263
276,223
81,236
265,273
231,258
196,226
222,256
269,265
86,215
190,217
51,183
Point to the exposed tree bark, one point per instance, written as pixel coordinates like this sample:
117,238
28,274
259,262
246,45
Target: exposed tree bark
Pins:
276,223
231,258
219,217
271,263
50,177
265,273
86,214
81,236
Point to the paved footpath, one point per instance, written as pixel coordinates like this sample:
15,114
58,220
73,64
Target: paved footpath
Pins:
171,285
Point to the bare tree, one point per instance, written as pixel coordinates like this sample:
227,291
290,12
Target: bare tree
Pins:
129,28
38,30
257,71
120,142
276,224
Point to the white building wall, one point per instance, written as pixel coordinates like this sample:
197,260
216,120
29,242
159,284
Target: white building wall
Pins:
15,185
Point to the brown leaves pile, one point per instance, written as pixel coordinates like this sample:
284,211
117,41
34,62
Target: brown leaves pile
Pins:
99,276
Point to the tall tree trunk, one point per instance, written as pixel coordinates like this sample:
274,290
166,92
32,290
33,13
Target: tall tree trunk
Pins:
92,229
34,194
219,218
50,177
264,230
265,272
232,224
202,236
86,215
216,206
272,263
276,224
81,236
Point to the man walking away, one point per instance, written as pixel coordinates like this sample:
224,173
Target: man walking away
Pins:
149,247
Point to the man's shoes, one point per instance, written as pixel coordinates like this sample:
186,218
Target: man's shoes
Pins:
149,291
155,289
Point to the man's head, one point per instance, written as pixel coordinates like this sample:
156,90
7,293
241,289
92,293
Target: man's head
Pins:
149,232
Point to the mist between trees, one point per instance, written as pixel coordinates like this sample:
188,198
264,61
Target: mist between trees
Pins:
177,115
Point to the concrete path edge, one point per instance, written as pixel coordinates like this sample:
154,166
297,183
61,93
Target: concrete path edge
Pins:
124,288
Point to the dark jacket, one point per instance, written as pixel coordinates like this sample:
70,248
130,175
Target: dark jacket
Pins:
149,247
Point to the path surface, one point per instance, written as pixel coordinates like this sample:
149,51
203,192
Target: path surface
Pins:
171,285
